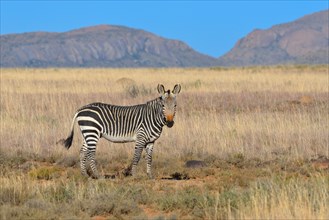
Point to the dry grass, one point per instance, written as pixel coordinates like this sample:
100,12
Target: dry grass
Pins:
258,129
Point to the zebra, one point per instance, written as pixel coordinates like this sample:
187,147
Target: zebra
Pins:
141,124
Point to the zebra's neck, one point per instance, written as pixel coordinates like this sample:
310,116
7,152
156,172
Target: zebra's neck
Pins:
157,111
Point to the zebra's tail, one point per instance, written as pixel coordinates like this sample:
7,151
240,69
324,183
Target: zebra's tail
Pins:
68,141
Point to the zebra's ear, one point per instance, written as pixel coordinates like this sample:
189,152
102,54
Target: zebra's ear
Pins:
161,89
176,89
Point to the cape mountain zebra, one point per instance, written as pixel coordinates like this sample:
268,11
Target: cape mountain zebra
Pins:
139,123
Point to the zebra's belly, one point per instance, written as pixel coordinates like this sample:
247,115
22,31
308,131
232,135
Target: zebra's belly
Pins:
120,139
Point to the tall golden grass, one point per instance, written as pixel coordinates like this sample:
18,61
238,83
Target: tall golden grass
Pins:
256,113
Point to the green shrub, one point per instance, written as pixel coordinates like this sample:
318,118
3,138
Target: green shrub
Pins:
45,173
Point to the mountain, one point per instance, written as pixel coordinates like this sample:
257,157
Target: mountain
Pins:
98,46
303,41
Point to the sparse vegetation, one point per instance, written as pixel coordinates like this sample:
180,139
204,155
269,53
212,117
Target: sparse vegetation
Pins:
260,133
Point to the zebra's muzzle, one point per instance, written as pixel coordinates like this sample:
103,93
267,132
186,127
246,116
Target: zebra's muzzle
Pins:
169,120
170,124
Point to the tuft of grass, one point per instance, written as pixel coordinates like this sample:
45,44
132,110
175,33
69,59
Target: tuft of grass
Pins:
236,159
45,173
186,199
121,201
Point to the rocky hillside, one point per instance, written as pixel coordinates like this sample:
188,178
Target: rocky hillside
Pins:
98,46
304,41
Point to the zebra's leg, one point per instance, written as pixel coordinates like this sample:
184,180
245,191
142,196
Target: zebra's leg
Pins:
92,161
136,158
91,142
83,159
149,149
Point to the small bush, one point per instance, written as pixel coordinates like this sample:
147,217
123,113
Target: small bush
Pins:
45,173
110,203
134,90
236,159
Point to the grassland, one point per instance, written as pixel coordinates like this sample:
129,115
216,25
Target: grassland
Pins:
262,132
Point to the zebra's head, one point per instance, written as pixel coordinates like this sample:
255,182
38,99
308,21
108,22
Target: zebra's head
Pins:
168,101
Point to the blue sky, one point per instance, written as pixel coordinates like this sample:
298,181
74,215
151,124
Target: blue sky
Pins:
210,27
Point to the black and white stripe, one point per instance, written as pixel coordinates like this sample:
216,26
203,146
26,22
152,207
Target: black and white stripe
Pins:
141,124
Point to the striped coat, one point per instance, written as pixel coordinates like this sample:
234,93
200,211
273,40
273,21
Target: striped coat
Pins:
141,124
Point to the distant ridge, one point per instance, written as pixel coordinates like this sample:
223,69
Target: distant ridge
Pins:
98,46
303,41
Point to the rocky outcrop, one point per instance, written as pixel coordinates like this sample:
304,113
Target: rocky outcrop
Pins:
304,41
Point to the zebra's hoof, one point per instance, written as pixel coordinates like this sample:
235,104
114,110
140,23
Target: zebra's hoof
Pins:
96,176
127,172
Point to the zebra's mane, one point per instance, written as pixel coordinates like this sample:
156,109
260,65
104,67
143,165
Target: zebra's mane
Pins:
150,102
